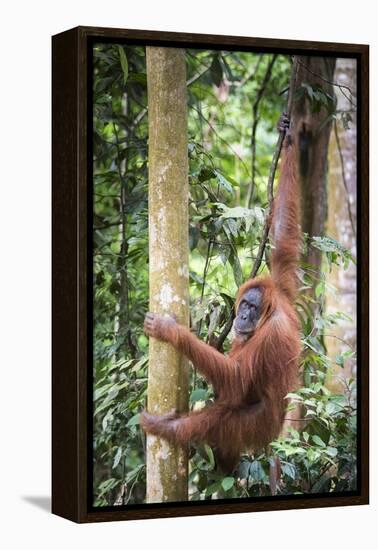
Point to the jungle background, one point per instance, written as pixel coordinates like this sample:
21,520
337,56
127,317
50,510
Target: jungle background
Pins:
234,101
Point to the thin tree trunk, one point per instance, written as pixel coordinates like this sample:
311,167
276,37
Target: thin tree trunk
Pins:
341,224
122,327
169,256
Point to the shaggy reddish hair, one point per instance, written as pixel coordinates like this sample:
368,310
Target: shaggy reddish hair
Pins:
252,381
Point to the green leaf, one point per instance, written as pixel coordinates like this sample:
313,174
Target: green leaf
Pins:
224,254
236,268
210,456
108,484
288,469
229,300
316,439
319,289
117,457
124,63
244,467
294,433
228,69
223,182
108,417
332,408
256,471
309,90
228,483
216,70
134,420
249,215
138,77
198,395
294,396
331,451
340,360
312,455
233,227
99,392
194,236
213,489
236,212
206,174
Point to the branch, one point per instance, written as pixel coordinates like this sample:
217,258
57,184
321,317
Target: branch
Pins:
250,75
343,175
197,76
256,266
255,108
272,173
335,84
325,469
106,226
211,126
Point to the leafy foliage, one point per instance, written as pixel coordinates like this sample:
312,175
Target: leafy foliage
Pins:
224,236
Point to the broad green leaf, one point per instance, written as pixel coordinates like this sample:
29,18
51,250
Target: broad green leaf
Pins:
134,420
236,268
227,483
216,70
256,471
319,289
316,439
210,455
288,469
108,484
117,457
223,182
213,488
137,77
99,392
244,467
331,451
206,174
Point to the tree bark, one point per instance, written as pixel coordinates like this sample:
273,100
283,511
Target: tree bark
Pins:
167,463
312,136
313,139
341,224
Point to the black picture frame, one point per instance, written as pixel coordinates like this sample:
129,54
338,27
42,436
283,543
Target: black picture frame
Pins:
71,290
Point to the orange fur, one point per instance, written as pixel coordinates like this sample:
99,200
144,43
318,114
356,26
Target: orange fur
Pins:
253,380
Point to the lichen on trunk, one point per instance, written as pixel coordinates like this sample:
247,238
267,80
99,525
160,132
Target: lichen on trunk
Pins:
168,260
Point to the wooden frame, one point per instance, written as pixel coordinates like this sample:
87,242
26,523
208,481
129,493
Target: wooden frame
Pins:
71,412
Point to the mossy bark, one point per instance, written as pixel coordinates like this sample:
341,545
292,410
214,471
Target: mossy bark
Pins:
313,138
168,260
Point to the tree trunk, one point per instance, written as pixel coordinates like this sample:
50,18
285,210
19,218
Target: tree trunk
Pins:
313,139
167,464
312,136
341,223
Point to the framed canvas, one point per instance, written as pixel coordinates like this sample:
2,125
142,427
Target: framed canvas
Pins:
186,167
